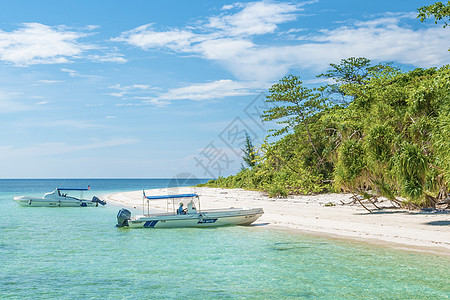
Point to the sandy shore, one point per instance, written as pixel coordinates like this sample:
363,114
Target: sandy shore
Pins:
419,231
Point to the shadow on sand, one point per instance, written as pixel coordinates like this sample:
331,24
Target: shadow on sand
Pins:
402,211
439,223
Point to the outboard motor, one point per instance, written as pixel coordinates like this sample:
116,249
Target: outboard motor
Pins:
97,200
122,217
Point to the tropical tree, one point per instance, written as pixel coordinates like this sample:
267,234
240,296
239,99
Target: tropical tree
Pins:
295,109
250,155
437,10
350,71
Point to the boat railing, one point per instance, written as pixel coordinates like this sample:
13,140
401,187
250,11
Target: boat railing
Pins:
206,211
159,214
229,209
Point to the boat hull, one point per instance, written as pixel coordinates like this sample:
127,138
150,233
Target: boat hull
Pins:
204,219
42,202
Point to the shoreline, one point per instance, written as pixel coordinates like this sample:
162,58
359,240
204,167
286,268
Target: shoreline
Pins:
395,228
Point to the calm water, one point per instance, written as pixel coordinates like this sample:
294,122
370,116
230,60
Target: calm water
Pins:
77,253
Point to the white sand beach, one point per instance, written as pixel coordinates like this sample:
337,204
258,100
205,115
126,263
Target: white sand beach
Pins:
413,230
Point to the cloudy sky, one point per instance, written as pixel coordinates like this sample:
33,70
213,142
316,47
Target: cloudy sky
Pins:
143,89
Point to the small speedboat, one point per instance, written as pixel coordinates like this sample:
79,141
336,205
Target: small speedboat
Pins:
59,198
188,217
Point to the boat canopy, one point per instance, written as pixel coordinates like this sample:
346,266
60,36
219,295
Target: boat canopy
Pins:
170,196
64,189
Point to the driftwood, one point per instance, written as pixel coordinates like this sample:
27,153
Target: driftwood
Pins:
444,204
396,202
373,199
357,199
441,202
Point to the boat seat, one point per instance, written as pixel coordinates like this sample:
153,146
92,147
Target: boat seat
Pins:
191,209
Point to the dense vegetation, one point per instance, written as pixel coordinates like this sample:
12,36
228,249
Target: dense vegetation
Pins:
374,129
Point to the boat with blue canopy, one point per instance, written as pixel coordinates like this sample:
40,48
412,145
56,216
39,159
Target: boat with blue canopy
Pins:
60,198
190,216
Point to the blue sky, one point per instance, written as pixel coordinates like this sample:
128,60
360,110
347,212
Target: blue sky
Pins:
142,89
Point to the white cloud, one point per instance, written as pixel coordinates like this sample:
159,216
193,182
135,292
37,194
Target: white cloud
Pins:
108,57
377,40
230,39
218,89
212,90
130,90
382,39
255,18
48,81
145,37
55,148
225,38
72,73
35,43
141,86
92,27
130,87
223,49
156,102
231,6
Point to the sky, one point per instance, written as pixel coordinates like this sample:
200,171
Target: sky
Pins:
163,89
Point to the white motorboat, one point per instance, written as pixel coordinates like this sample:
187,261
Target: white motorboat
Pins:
189,217
59,198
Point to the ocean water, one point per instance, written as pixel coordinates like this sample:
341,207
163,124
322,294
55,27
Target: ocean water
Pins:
78,253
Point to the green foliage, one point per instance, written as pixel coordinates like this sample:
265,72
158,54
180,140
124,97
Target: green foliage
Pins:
378,143
350,70
277,191
295,104
350,162
391,138
412,167
250,155
437,10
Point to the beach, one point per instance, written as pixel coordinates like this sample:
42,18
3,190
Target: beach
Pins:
322,214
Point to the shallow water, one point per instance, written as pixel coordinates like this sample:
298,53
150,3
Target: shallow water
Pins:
79,253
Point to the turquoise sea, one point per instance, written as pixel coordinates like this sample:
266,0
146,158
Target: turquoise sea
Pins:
78,253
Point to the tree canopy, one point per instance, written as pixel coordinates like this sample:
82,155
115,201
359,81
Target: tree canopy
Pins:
437,10
391,138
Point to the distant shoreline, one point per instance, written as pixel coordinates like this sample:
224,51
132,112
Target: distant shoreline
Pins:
395,228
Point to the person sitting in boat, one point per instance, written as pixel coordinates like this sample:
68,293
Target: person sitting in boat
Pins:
191,208
181,210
